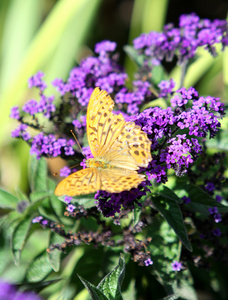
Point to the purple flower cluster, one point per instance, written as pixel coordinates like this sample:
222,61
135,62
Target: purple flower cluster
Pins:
141,90
216,215
36,81
198,115
44,106
166,88
20,132
102,71
48,145
9,292
182,41
180,153
109,203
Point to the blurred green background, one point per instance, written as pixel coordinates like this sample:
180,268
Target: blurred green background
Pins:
52,36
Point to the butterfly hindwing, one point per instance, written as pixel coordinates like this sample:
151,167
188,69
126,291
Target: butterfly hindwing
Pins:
116,181
135,142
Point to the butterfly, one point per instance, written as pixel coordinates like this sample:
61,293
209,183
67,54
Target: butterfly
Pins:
119,148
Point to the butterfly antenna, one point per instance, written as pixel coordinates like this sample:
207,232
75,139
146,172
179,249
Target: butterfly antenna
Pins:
76,140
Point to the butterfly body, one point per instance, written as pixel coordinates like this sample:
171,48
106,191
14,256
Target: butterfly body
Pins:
98,163
119,149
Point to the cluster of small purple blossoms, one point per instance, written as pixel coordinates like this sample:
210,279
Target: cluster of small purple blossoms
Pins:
111,203
186,199
182,41
9,292
36,81
40,220
102,71
141,90
20,132
215,214
166,88
45,106
48,145
198,115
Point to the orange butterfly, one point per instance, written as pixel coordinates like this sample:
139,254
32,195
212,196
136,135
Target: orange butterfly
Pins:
119,149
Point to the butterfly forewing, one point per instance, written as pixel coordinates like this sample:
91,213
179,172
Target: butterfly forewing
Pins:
99,108
85,181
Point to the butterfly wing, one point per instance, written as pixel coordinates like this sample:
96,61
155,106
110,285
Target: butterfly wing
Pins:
119,180
85,181
121,143
131,149
103,126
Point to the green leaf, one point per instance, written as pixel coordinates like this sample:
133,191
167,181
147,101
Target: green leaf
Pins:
111,283
132,53
55,203
39,195
169,194
158,74
166,204
38,174
38,286
39,269
220,142
19,237
22,196
165,249
8,200
200,200
137,213
55,255
34,206
94,292
86,201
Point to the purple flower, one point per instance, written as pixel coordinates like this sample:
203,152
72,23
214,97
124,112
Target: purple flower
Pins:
36,81
80,123
15,113
182,41
46,106
213,210
61,87
67,199
210,187
65,171
110,203
9,292
31,107
48,145
166,87
217,218
186,199
177,266
20,131
218,198
37,219
71,207
44,222
216,232
105,46
148,262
